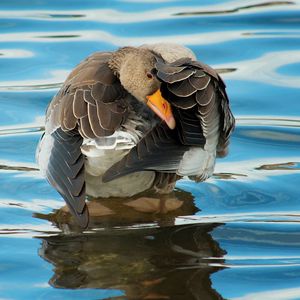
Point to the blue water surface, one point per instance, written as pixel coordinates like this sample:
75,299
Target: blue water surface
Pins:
236,236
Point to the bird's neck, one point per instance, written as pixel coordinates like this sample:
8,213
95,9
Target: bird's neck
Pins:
119,57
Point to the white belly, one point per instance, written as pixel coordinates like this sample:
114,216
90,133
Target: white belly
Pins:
125,186
98,161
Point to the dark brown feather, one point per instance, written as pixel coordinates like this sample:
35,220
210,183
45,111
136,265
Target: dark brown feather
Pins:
116,120
66,172
104,115
103,91
79,106
86,127
180,102
204,96
207,69
206,109
182,88
168,68
189,127
119,106
197,101
199,73
94,121
171,78
200,83
91,83
68,119
181,62
87,96
184,102
105,75
227,125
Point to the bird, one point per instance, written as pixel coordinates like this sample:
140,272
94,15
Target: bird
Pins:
132,120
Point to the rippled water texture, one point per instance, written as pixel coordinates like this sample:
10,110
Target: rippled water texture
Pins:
236,236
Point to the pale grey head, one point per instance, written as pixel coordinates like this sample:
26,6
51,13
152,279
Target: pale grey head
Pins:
134,67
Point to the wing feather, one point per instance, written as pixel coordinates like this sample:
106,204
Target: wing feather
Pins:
65,171
204,124
159,150
79,106
202,96
91,83
89,105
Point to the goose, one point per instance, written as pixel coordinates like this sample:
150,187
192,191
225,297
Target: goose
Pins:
134,120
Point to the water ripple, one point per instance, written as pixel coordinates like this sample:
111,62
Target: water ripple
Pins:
117,17
13,130
188,39
237,9
15,53
239,228
265,69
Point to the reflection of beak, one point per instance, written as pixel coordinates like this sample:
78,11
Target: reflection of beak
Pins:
162,108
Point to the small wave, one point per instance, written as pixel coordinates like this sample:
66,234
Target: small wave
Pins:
265,69
171,12
15,53
256,6
15,130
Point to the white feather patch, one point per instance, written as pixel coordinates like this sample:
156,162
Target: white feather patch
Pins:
43,152
120,140
197,162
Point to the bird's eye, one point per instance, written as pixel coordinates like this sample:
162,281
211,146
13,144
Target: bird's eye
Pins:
153,71
149,75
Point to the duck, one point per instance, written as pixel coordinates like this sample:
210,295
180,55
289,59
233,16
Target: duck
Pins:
133,120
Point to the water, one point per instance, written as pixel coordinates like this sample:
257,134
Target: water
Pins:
236,236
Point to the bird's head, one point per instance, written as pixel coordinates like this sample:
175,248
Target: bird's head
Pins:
137,74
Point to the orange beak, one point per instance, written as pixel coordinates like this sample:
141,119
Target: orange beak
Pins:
162,108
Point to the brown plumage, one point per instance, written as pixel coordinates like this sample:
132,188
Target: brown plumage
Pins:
100,112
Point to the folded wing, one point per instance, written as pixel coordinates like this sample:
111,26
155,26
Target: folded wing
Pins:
204,124
89,105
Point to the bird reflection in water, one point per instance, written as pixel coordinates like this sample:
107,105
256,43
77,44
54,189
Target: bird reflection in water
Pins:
144,208
158,262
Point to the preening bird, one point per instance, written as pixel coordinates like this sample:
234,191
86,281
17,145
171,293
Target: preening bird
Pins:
133,120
